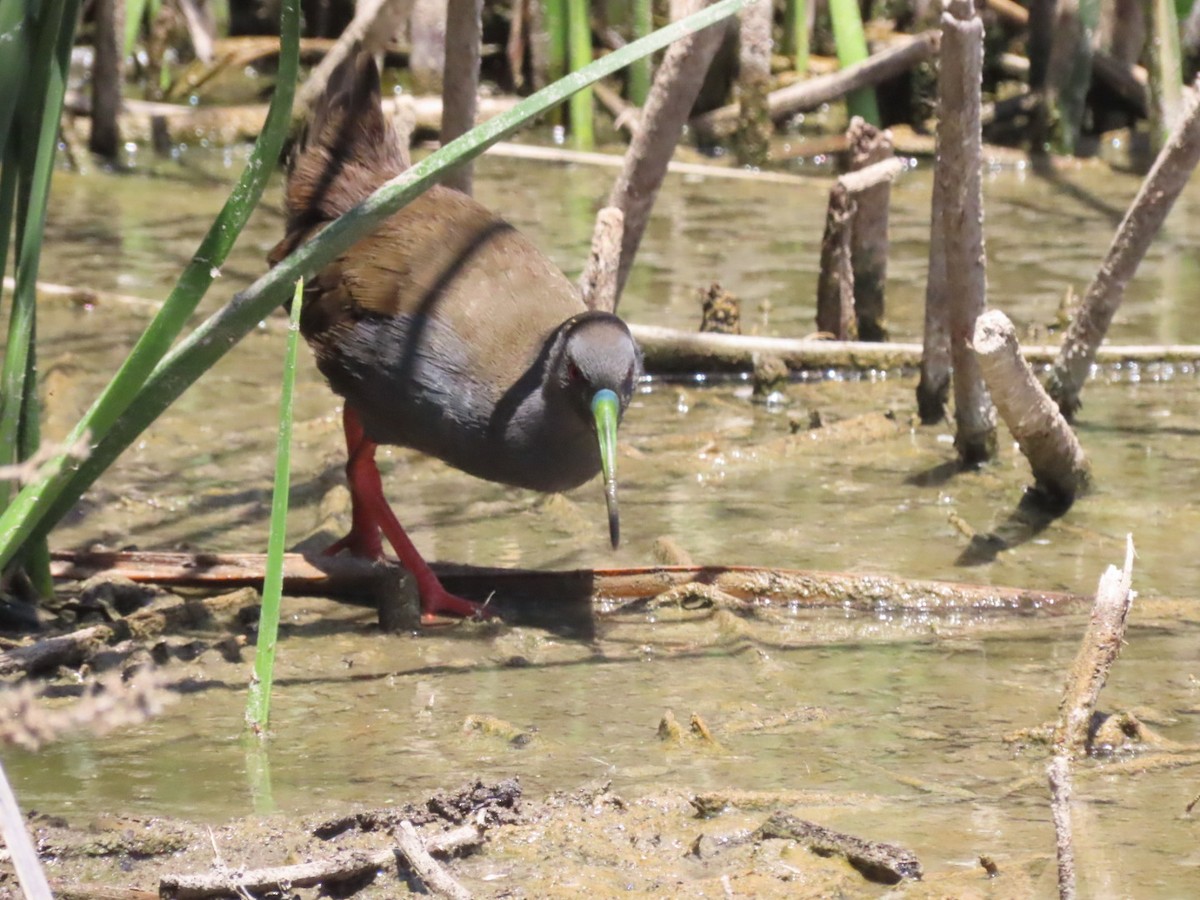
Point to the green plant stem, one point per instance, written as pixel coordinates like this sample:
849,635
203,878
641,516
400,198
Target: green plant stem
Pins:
1165,65
14,62
135,12
19,418
19,520
580,50
34,159
258,701
640,72
554,20
191,357
796,34
851,43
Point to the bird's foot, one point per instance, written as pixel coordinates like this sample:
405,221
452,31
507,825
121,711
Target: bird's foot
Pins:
362,544
437,601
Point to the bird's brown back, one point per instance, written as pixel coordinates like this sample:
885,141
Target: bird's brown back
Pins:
443,255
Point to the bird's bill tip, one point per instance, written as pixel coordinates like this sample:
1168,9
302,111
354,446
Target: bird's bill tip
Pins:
606,409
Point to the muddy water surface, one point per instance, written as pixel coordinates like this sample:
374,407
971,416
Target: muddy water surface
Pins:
894,726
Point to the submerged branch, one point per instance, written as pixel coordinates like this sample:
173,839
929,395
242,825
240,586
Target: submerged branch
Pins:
341,577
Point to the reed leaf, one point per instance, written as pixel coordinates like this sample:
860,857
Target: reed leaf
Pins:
579,48
44,40
258,701
851,43
31,504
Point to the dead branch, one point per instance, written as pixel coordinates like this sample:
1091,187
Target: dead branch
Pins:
813,92
675,167
338,867
437,880
68,891
598,281
343,577
1059,774
1099,650
959,171
755,128
625,114
875,860
671,351
866,179
871,148
835,281
1141,224
460,86
1043,434
674,90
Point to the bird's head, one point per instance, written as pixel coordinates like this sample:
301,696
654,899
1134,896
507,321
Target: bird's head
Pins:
597,371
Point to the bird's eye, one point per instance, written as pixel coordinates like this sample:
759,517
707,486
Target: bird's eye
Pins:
573,373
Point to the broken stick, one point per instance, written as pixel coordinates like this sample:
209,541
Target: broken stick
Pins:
1142,222
338,867
1099,650
1059,465
875,860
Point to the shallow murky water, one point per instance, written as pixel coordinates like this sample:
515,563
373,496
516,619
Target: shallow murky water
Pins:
914,713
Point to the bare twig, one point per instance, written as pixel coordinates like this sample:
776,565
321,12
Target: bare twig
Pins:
625,114
598,281
669,350
338,867
753,139
439,882
1059,773
813,92
1099,650
1142,222
675,167
676,84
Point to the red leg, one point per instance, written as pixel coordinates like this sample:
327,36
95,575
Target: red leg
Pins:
370,514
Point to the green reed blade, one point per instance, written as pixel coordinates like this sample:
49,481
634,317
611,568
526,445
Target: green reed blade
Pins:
258,701
33,502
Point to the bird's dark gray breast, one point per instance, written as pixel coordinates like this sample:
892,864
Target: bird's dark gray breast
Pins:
415,383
